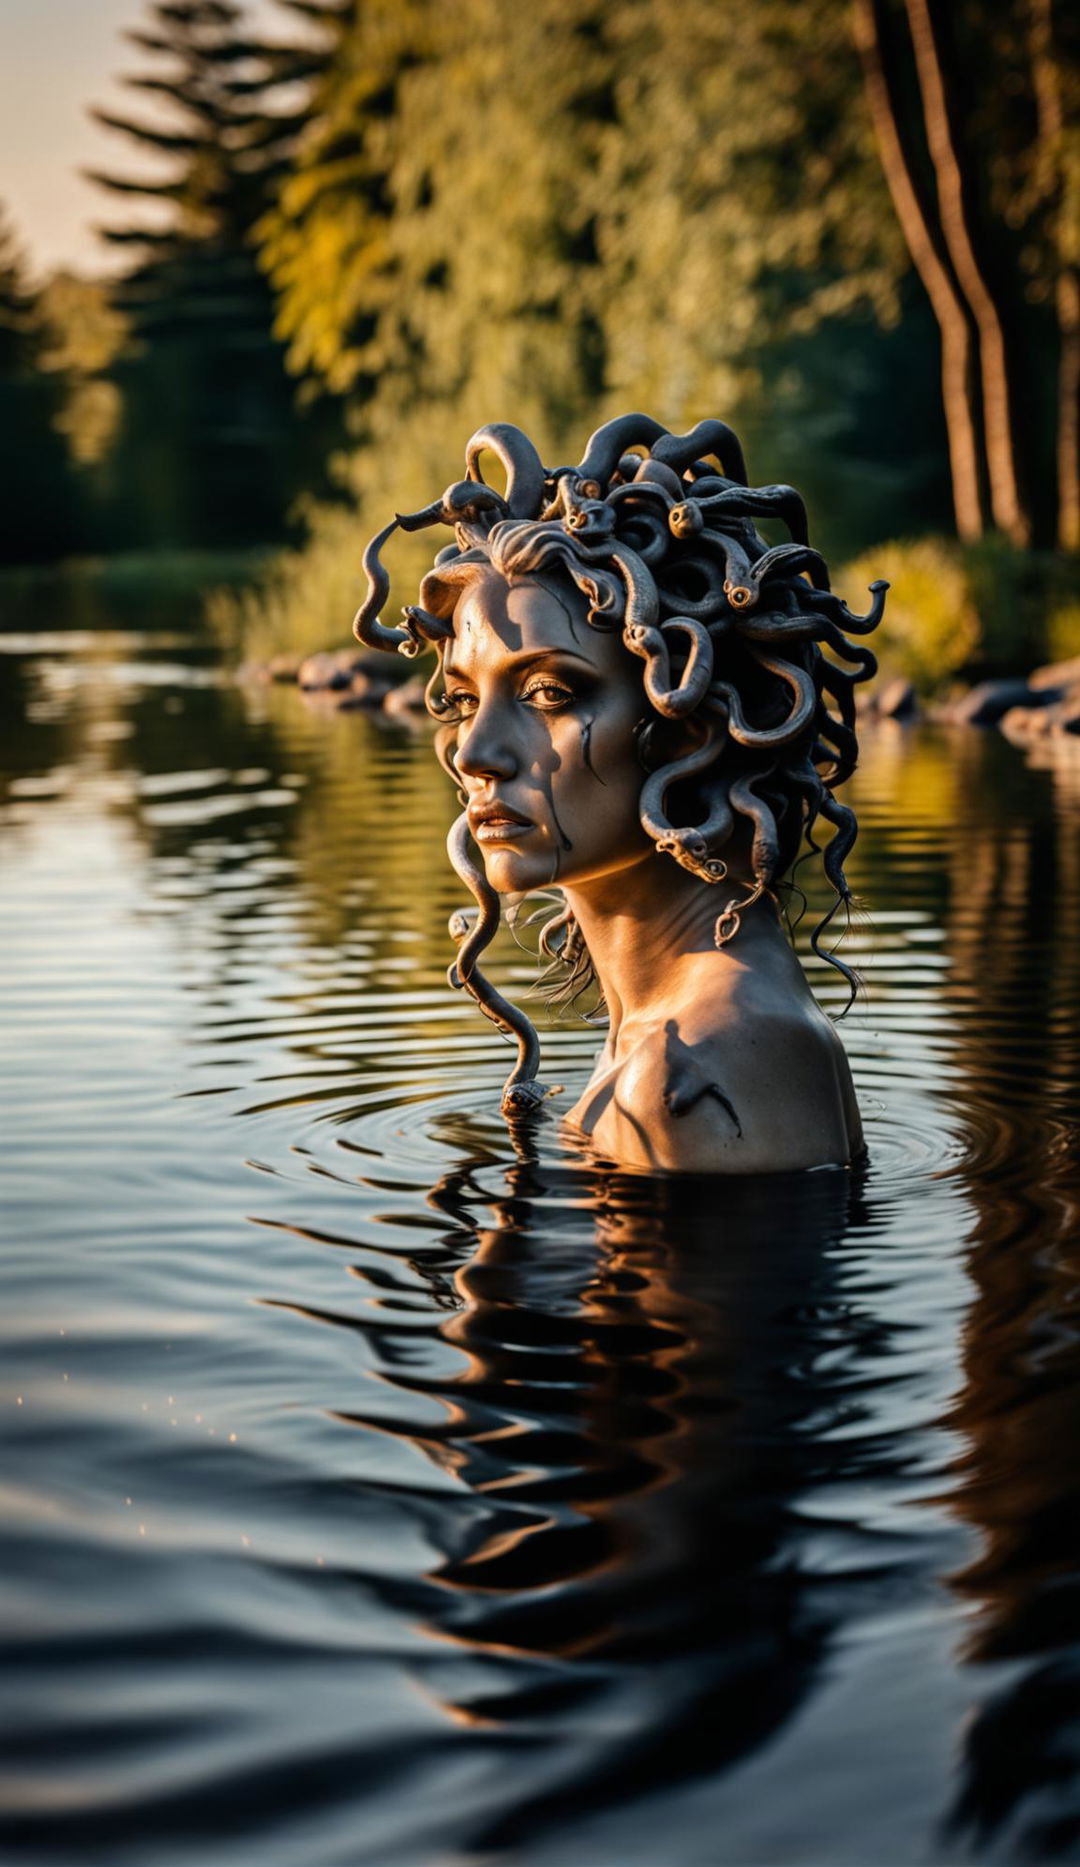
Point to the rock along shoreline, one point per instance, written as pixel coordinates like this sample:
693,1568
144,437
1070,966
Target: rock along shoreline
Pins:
1041,706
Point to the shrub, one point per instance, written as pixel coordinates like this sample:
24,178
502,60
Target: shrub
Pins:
931,626
1063,631
979,610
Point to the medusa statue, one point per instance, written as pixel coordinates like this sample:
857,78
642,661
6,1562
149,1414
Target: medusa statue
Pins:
648,708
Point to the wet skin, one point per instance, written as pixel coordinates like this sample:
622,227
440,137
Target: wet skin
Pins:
715,1060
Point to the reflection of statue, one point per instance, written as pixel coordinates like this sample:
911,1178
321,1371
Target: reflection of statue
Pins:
625,1595
625,668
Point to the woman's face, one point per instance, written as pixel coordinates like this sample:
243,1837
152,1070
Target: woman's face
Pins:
545,746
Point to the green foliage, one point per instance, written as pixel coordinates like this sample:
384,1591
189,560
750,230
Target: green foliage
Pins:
931,628
303,602
211,449
122,590
558,209
1010,593
18,303
82,334
39,509
1063,631
549,213
979,610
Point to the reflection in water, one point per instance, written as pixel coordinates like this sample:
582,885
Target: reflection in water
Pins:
1015,938
610,1516
1008,845
644,1371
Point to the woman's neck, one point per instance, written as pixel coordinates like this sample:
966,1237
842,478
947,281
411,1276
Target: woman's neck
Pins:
642,920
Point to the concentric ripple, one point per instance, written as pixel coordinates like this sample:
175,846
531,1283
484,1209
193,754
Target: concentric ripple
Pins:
391,1489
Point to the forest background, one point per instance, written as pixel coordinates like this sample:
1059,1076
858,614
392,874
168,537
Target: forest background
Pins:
849,227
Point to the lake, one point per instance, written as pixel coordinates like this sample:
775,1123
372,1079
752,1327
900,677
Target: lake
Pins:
379,1493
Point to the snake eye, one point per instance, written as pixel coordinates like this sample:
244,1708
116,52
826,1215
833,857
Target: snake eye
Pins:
589,489
738,595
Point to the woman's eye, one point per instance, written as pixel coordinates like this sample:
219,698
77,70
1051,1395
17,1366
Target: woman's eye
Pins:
458,702
549,696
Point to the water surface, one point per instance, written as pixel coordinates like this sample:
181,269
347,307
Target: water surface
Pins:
378,1493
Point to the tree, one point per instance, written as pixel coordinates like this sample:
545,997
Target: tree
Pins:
1055,178
554,210
565,208
38,512
18,303
81,333
994,241
211,448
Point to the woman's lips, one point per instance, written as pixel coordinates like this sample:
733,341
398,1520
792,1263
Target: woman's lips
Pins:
497,823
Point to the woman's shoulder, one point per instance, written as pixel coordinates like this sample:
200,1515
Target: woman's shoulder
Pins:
749,1086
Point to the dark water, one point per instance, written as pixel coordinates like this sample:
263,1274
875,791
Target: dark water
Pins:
377,1495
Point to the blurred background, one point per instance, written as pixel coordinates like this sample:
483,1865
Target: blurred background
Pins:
263,269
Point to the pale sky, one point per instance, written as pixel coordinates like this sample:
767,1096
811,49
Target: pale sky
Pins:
56,57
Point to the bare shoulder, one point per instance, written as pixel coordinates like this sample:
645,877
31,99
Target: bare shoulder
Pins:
761,1088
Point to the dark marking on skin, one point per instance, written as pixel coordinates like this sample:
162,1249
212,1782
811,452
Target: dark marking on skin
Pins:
563,838
550,790
586,751
687,1079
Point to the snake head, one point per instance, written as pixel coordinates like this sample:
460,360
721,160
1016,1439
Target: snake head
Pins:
592,522
523,1098
687,846
687,519
691,851
641,639
584,513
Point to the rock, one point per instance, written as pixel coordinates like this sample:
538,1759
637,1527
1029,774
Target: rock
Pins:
1065,718
406,699
1023,725
988,703
364,690
335,668
331,668
897,700
1057,674
283,667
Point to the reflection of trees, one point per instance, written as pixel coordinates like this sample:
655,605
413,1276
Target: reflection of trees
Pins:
620,1392
369,805
957,826
1012,916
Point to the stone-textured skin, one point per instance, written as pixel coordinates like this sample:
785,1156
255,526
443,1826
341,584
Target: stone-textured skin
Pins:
658,532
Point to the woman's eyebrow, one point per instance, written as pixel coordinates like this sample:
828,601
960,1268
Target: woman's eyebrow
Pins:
524,658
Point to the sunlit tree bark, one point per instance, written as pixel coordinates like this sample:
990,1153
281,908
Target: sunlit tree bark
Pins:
956,357
998,389
1059,176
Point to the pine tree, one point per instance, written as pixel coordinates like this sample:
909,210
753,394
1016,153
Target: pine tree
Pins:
38,517
18,303
212,441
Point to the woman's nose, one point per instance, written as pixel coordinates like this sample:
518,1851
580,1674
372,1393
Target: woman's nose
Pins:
485,747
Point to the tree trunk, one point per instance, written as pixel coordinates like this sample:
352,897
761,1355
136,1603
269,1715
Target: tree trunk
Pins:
999,412
1064,209
1068,434
948,306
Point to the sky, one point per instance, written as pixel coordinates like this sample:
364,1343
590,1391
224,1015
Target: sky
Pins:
56,58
